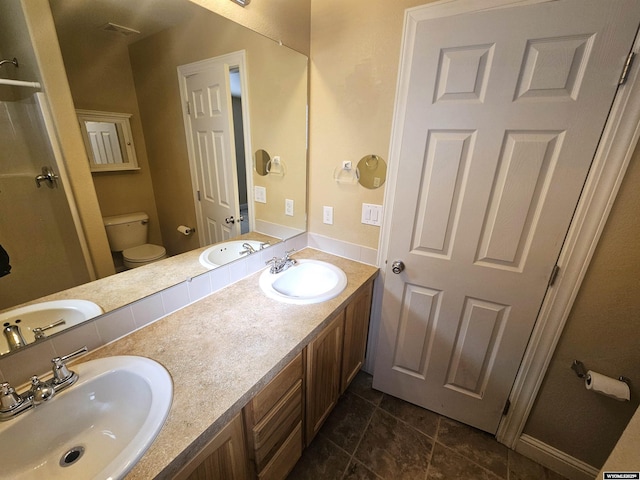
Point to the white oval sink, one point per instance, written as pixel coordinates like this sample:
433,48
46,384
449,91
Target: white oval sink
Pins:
44,314
113,412
222,253
310,281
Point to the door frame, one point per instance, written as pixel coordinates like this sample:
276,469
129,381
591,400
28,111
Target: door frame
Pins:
620,136
233,59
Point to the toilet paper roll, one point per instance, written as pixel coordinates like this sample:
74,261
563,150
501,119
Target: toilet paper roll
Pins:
185,230
607,386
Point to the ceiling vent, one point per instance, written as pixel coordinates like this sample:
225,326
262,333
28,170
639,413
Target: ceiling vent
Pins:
125,31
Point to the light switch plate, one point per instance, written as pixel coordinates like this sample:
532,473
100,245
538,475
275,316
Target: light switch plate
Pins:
260,194
288,207
371,214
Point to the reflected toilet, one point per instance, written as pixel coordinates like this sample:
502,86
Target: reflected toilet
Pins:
128,234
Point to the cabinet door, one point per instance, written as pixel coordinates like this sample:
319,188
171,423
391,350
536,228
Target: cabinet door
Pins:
224,458
356,329
324,355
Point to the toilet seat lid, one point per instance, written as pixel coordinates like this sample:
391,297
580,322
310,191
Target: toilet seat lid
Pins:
143,253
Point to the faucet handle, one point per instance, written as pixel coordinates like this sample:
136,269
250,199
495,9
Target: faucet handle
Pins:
60,371
40,392
271,261
9,399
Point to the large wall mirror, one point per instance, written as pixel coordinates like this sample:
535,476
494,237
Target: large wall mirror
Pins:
124,57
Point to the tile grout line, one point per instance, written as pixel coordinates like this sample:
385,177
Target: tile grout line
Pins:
433,447
364,430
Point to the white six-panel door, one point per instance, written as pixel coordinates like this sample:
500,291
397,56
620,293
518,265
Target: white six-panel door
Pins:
210,131
501,119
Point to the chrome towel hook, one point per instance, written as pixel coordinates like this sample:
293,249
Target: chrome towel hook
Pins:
49,176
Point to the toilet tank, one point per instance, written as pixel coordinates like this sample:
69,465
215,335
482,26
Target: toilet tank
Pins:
126,231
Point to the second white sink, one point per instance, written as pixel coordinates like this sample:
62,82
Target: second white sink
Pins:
310,281
97,428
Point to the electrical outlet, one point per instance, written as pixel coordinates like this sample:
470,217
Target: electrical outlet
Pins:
288,207
327,215
260,194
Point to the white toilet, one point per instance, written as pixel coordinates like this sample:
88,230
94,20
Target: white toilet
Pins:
128,234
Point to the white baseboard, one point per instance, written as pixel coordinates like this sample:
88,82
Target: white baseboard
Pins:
555,460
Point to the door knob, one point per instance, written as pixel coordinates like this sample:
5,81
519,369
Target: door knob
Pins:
229,220
397,267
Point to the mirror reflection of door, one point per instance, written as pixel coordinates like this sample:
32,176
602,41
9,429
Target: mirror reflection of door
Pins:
238,130
216,135
105,144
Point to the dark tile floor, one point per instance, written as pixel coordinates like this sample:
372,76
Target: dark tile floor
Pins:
370,435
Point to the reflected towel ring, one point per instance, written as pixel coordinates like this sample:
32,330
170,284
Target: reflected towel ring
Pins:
372,162
275,166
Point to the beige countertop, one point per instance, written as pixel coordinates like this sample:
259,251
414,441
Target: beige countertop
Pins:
221,351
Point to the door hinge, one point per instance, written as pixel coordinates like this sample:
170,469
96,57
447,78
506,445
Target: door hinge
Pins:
626,68
554,275
506,408
188,108
198,192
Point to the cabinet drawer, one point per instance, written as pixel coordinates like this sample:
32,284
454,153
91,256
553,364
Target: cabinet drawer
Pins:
286,458
282,383
275,428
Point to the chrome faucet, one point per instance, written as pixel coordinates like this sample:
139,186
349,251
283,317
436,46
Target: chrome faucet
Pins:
248,249
13,404
281,264
14,337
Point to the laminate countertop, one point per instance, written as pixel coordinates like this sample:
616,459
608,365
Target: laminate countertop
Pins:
221,351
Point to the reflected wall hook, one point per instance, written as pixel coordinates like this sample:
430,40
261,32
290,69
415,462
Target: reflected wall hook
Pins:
14,62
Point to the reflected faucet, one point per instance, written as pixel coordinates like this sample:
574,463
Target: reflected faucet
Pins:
248,249
14,337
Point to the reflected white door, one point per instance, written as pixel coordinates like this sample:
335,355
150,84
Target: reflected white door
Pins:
500,120
105,143
213,153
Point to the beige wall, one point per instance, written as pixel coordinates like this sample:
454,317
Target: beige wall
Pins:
355,50
287,21
277,115
100,78
602,331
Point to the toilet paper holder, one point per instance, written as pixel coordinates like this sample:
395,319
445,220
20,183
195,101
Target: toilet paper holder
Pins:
578,367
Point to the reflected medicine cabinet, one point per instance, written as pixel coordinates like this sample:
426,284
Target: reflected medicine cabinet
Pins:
108,140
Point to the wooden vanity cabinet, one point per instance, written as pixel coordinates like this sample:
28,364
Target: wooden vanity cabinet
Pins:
224,457
356,331
324,363
335,357
273,423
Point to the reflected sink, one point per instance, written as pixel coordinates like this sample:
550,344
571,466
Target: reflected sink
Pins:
310,281
111,414
222,253
40,315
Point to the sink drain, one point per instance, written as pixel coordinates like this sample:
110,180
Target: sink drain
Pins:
72,456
